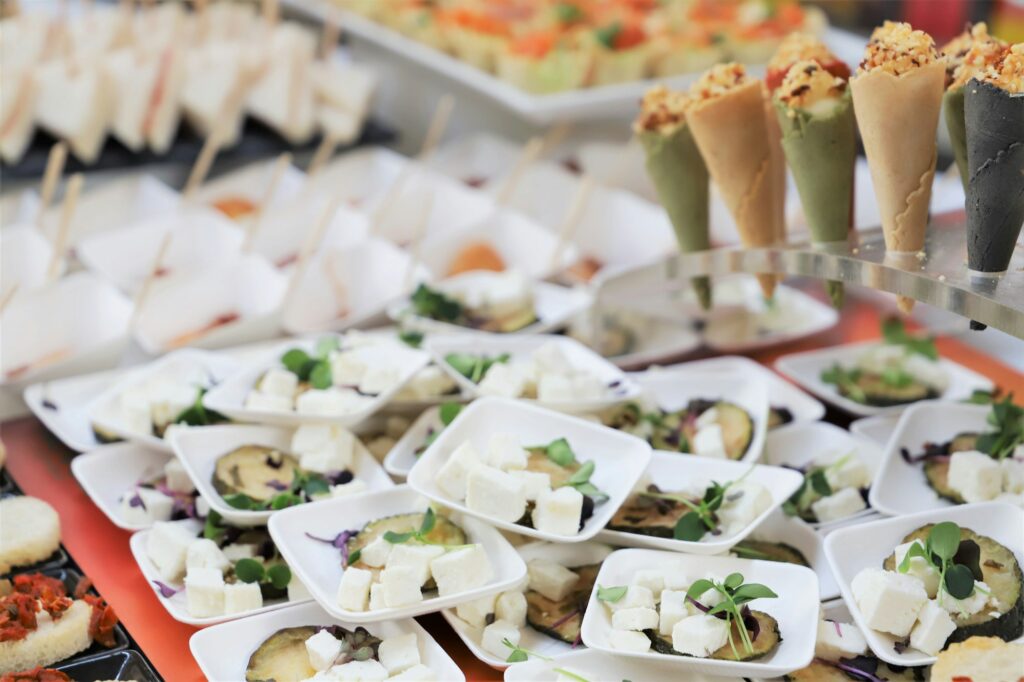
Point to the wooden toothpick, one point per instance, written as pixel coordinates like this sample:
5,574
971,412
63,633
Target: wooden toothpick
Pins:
8,296
417,239
67,212
330,37
310,246
54,167
276,173
572,219
154,272
324,151
531,151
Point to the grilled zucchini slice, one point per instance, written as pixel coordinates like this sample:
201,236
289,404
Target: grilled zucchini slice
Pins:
282,657
250,470
444,532
770,551
819,671
878,393
648,516
936,471
767,640
779,416
1002,573
550,617
104,436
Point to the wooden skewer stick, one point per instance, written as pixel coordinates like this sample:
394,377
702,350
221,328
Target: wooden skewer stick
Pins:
8,296
311,244
417,240
330,37
531,151
276,173
338,289
324,151
67,212
271,12
572,220
555,136
204,161
154,272
54,167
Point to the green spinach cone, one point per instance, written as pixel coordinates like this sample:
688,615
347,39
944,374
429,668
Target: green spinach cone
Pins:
953,111
994,119
679,175
815,112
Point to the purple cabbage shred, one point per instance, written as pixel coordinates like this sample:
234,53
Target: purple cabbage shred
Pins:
166,591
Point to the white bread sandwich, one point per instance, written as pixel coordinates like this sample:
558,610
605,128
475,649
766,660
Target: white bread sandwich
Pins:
17,112
213,74
99,30
283,97
146,89
73,103
344,93
29,531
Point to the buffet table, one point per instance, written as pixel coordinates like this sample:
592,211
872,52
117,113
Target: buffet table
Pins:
40,466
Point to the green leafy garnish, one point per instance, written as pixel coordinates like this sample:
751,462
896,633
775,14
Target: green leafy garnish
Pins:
427,525
427,302
611,594
570,674
896,377
814,487
568,13
314,369
701,518
474,367
279,575
449,411
606,35
980,396
241,501
411,338
580,480
735,593
196,414
558,451
956,560
1008,420
212,528
249,570
520,654
895,334
846,381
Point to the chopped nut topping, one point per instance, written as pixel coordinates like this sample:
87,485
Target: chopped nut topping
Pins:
897,48
718,80
807,83
798,47
662,110
970,54
1008,72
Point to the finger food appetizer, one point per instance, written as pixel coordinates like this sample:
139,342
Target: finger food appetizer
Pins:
979,658
544,487
334,652
978,466
29,534
943,584
841,653
497,302
168,497
707,428
902,370
222,570
41,623
834,488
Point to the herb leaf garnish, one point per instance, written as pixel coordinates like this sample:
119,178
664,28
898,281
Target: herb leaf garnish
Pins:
611,594
735,594
520,654
427,302
895,334
941,549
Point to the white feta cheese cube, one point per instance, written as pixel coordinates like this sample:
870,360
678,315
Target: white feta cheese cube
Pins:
266,402
297,591
1016,499
551,579
176,478
888,601
332,402
549,357
710,442
278,382
239,551
635,619
635,597
495,494
975,475
934,626
378,379
377,601
674,608
535,483
745,501
503,381
511,607
969,605
492,639
919,568
399,652
555,388
586,386
839,505
167,547
347,368
324,446
169,401
505,452
927,371
416,558
651,578
376,552
629,640
202,507
353,487
143,506
359,671
204,553
451,477
204,592
417,673
461,569
708,417
241,597
675,578
429,382
839,640
700,635
354,589
401,586
323,649
849,471
1013,475
476,611
558,511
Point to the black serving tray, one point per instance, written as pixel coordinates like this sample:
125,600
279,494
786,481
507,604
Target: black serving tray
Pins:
119,665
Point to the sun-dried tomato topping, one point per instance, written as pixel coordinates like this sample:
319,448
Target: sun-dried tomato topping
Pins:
83,587
102,620
17,616
39,586
37,674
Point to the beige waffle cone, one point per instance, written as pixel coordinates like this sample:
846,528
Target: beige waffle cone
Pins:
898,118
731,132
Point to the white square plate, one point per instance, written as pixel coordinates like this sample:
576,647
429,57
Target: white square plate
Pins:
876,429
672,472
223,651
63,406
798,445
795,609
200,447
781,528
318,564
177,605
902,488
866,545
229,396
403,457
569,556
521,347
595,665
619,458
805,369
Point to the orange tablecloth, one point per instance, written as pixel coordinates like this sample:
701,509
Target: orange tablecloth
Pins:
40,465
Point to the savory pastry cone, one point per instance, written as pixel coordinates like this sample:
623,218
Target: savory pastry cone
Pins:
897,95
819,137
677,170
994,116
729,125
966,56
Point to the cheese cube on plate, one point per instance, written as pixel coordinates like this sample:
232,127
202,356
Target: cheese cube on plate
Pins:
494,635
204,592
204,553
839,640
919,568
586,386
839,505
502,380
278,382
146,505
635,619
376,552
558,511
927,371
331,402
399,652
461,569
239,551
505,452
700,635
710,442
266,402
167,547
169,401
888,601
359,671
708,417
401,586
429,382
629,640
746,501
975,475
475,612
353,487
535,483
511,607
241,597
377,601
1013,475
416,558
849,471
674,608
551,579
176,478
347,368
451,477
969,605
378,379
934,626
549,358
354,589
635,597
495,494
417,673
651,578
316,437
323,649
555,388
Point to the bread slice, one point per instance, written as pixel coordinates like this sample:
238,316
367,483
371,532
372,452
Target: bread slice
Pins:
52,641
29,531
